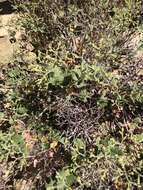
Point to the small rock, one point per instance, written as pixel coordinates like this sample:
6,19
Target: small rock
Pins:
6,50
18,35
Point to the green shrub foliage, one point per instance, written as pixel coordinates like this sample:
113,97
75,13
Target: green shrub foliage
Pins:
72,119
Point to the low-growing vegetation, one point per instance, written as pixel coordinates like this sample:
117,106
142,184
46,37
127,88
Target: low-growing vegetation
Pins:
72,118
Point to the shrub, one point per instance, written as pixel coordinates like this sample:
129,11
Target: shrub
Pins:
79,105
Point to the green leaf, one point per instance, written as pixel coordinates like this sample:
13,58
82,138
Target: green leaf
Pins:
138,138
1,115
